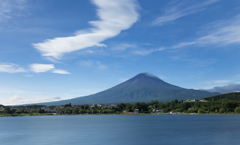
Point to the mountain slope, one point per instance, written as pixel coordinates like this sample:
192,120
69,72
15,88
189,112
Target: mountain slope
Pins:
142,88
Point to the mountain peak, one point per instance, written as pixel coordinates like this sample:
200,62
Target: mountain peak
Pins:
146,79
148,75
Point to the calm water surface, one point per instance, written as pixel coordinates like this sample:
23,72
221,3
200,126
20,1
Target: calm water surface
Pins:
121,130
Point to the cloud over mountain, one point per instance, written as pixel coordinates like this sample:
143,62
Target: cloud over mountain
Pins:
225,89
23,100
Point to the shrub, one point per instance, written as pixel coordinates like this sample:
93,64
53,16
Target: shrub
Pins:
221,110
237,110
178,110
201,111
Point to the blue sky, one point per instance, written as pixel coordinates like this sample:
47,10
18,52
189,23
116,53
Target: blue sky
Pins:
54,50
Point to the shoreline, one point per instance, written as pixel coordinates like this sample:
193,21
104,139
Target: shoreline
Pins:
114,114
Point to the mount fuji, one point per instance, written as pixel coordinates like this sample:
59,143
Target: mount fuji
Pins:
144,87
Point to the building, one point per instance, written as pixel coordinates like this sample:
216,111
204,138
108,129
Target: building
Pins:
136,111
195,100
203,100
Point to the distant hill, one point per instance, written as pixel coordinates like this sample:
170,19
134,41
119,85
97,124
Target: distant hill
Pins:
229,96
144,87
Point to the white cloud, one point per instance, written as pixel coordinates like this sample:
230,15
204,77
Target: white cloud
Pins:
225,89
177,12
11,68
115,16
17,100
39,68
60,71
223,33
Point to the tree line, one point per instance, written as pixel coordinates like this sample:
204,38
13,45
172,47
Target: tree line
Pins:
210,107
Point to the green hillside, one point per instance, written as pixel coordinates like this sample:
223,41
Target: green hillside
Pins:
229,96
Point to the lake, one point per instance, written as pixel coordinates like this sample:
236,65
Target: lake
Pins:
121,130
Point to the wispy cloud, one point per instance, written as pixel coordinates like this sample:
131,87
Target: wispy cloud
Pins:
123,46
86,63
115,16
28,76
101,66
225,89
223,33
195,62
11,68
10,8
92,64
17,100
221,81
37,68
180,10
147,51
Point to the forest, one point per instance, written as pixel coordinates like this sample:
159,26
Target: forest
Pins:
235,96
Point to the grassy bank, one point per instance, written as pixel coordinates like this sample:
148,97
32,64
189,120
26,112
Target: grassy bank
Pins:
25,114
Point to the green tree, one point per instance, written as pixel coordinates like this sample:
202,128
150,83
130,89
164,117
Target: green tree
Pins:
41,111
82,106
86,106
178,110
186,105
162,105
129,107
82,111
76,111
192,110
7,110
176,101
122,106
165,110
67,105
